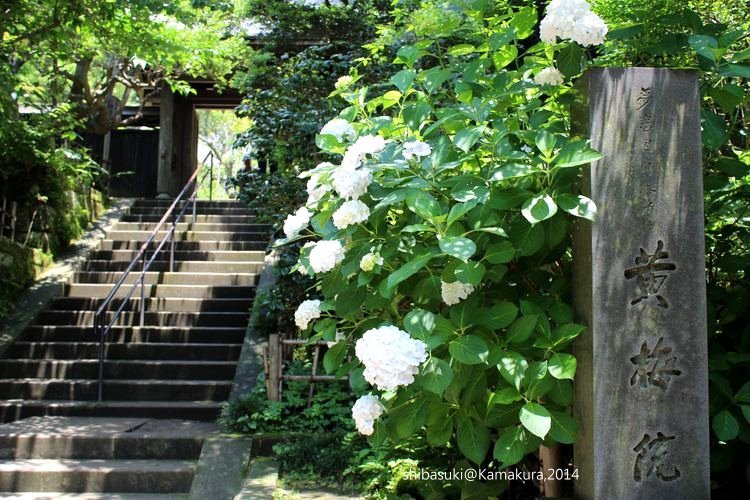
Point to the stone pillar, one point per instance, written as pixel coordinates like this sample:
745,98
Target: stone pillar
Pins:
641,392
166,143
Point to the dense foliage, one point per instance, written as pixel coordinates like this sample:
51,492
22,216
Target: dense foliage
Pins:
461,189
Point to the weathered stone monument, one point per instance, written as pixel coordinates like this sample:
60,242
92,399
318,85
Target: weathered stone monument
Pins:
641,394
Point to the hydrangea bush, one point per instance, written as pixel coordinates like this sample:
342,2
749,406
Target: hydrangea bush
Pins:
440,233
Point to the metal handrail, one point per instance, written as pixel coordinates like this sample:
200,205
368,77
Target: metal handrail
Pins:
210,157
101,327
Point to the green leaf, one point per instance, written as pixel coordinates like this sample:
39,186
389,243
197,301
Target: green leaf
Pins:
522,328
498,316
575,153
408,54
423,204
328,142
436,375
504,56
725,426
536,419
434,78
566,332
715,130
403,79
469,349
564,428
416,114
407,270
524,22
467,137
458,247
459,210
745,412
571,60
512,171
408,418
350,301
743,395
513,367
545,141
470,273
334,357
440,431
528,239
504,396
419,323
461,49
473,439
500,253
705,46
510,447
579,206
562,366
539,208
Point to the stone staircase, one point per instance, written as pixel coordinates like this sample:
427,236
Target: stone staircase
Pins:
180,365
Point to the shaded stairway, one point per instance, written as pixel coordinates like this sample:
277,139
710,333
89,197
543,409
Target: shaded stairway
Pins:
180,365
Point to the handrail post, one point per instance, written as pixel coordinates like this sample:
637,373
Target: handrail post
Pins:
210,177
194,199
171,243
143,288
100,331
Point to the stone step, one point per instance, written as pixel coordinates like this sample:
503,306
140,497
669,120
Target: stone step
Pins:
252,236
242,227
176,291
179,266
127,334
152,210
151,351
119,390
126,369
132,318
201,218
57,495
80,476
200,203
156,304
103,438
128,255
167,278
193,410
187,246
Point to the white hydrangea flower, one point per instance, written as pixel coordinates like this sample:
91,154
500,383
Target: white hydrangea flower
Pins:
574,20
365,412
369,144
526,149
453,293
344,82
326,255
351,212
368,262
340,128
390,356
306,312
315,190
416,148
351,183
549,76
294,223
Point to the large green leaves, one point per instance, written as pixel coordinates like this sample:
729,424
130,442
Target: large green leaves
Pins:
473,439
461,248
536,419
469,349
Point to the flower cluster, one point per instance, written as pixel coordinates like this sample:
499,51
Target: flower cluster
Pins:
416,148
294,223
368,262
574,20
339,128
325,255
365,411
549,76
351,212
390,356
306,312
453,293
